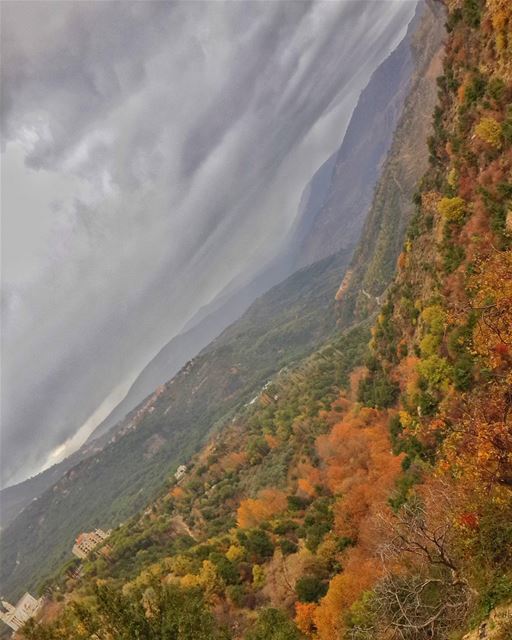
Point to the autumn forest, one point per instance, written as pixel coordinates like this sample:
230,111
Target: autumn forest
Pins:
366,491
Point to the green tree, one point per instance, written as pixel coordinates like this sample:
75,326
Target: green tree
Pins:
155,613
259,544
310,589
273,624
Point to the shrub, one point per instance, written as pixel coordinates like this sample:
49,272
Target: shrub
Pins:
288,547
460,338
310,589
453,177
471,13
453,18
285,526
426,403
498,591
506,131
434,317
361,618
403,488
496,89
258,576
452,209
489,130
257,449
475,90
296,503
463,372
436,371
395,431
429,345
315,534
453,255
225,568
273,624
259,544
236,593
377,390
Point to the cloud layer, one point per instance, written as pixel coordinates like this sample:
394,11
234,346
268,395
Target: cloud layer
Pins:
151,153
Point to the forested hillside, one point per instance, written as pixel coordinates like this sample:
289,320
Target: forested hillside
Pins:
130,462
332,210
282,326
366,492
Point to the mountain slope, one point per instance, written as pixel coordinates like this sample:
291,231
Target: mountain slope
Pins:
337,220
372,502
361,502
15,498
441,356
345,180
283,325
149,442
180,349
373,265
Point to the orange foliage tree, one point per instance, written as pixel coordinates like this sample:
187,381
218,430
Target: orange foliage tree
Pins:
310,478
232,461
360,573
253,511
359,464
305,617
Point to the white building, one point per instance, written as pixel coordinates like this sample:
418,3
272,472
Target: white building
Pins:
87,542
26,608
180,472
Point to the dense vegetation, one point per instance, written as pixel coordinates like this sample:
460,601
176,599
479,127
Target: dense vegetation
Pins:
367,491
284,325
189,538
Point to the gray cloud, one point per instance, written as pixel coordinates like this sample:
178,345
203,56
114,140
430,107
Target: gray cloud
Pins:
151,153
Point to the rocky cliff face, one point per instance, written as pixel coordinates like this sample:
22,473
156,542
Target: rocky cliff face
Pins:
374,260
337,222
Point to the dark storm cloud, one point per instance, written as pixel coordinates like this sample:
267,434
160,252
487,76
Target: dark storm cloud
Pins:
152,152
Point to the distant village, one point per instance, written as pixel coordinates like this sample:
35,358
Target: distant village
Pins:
27,607
15,616
87,542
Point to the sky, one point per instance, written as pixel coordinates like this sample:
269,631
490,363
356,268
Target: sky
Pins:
151,152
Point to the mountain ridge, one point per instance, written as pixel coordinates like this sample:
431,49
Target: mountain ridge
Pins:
210,321
366,491
107,487
378,107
